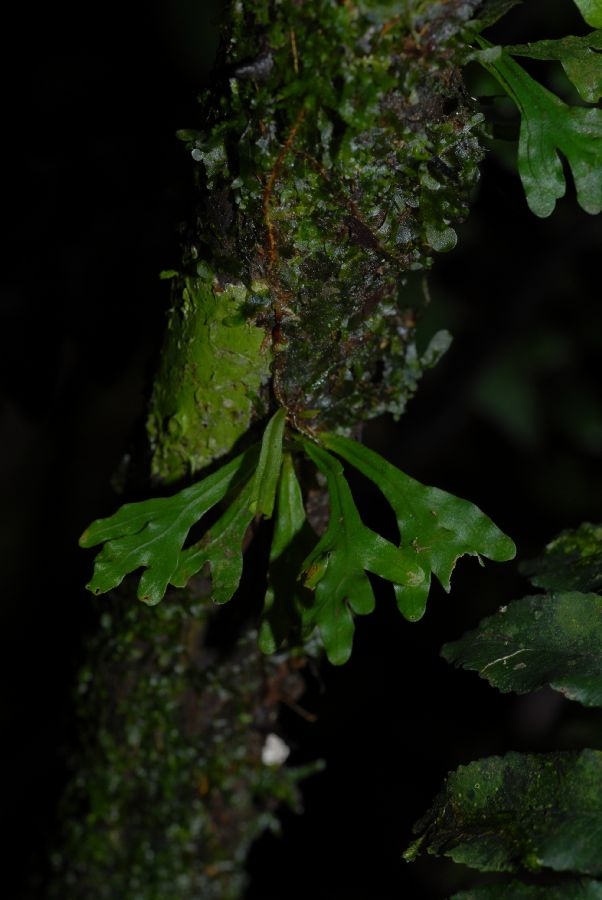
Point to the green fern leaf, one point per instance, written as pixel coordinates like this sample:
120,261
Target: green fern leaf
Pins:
221,547
336,568
265,480
591,10
549,127
436,527
150,534
580,58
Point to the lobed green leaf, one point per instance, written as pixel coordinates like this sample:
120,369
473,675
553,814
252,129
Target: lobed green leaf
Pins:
337,566
591,10
549,127
518,811
221,547
150,534
436,527
553,639
580,58
265,480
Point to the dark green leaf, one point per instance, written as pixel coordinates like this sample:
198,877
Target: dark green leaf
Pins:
549,127
221,547
265,480
337,566
553,639
492,10
575,889
580,58
435,526
571,562
520,810
151,533
591,10
292,540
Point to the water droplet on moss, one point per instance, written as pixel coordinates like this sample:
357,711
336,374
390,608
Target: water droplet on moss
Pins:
441,240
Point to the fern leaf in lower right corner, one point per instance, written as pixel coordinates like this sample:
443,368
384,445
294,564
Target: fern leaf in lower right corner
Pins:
545,639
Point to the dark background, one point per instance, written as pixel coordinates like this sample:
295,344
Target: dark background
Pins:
94,187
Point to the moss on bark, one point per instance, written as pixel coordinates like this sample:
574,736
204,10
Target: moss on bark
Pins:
337,148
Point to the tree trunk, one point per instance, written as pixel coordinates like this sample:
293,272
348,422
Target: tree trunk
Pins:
337,144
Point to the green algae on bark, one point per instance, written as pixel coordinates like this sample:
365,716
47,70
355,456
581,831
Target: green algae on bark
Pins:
337,147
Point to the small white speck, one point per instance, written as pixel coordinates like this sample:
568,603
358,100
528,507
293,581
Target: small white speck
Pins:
274,752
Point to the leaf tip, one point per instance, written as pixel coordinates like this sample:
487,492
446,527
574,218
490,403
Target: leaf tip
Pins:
338,657
415,616
411,852
507,550
94,588
543,209
411,603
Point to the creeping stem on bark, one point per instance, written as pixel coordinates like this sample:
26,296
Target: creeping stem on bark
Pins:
278,306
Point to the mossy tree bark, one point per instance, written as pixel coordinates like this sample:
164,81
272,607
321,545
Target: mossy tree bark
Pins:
337,146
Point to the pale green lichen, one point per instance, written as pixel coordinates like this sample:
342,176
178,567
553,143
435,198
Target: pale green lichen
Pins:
210,378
